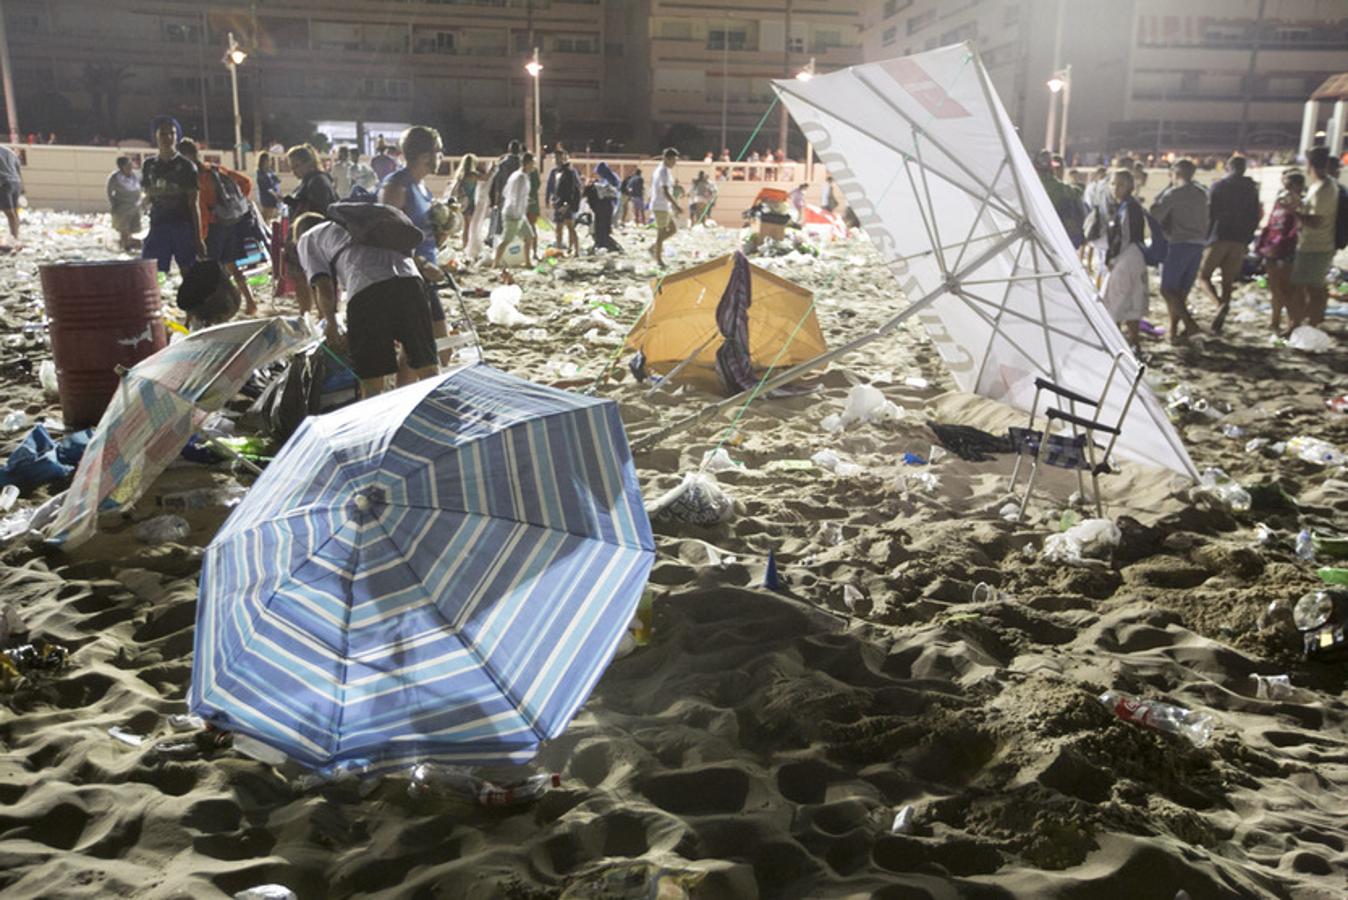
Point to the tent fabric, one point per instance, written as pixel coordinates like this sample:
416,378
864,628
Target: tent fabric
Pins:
930,163
682,318
437,574
733,362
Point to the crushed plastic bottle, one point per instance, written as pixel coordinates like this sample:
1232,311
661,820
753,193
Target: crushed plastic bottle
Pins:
903,821
1196,726
9,495
830,534
1271,687
1224,489
436,781
830,461
1316,451
202,498
1233,431
126,737
266,892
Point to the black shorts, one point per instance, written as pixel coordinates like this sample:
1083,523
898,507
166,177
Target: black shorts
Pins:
227,242
9,196
388,311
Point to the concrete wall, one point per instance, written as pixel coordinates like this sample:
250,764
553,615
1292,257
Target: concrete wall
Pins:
74,178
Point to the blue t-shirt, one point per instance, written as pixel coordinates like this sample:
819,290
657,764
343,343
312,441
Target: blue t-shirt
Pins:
418,209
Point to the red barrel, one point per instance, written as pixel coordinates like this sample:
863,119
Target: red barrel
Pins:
101,315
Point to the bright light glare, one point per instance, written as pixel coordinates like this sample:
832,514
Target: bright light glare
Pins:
533,67
1056,84
804,75
236,57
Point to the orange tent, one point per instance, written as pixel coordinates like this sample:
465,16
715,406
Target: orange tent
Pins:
679,329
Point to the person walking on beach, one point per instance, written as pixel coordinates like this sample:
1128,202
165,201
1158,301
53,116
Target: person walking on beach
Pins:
634,197
364,183
501,171
1126,288
1099,200
514,213
663,203
1234,212
124,202
563,196
1315,241
701,197
11,188
341,173
1067,202
1278,246
268,188
1182,210
463,191
829,201
383,164
314,194
225,215
406,190
169,183
386,306
600,194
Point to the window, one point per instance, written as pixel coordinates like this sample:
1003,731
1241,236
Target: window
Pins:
921,21
736,38
825,39
23,23
182,32
673,30
963,33
180,84
386,88
796,45
613,51
889,35
434,42
894,7
575,43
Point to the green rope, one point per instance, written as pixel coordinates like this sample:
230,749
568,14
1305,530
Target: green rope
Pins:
758,128
617,352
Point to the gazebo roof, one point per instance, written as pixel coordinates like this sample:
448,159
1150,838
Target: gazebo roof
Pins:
1335,87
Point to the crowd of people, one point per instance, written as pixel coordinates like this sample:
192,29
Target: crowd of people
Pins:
1211,237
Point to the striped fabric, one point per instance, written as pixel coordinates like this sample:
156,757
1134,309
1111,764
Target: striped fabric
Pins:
158,405
440,573
733,365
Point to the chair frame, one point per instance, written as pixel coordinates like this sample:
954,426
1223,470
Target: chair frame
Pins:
1081,426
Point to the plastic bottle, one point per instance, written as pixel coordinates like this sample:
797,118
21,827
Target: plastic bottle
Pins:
1196,726
1305,546
1271,687
9,495
204,497
46,376
1314,450
428,780
1225,490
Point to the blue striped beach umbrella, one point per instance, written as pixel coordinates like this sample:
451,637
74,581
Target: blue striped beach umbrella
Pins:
440,573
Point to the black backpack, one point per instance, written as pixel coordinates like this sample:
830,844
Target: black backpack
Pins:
230,203
377,225
568,188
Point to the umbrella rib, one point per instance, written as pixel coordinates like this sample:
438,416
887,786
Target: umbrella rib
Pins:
472,650
489,515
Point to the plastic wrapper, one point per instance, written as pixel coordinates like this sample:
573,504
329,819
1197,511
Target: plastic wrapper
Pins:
866,404
503,307
1310,338
1089,542
830,461
698,500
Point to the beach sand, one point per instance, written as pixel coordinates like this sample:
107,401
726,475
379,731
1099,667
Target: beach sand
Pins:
762,743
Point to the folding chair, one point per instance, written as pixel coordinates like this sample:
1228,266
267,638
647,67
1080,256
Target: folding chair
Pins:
1075,451
462,330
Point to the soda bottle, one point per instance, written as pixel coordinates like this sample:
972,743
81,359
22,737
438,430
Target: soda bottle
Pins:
435,781
1195,726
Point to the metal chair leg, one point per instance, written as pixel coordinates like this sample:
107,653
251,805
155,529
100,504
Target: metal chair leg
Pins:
1034,473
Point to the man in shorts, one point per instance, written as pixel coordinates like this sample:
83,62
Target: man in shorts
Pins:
1234,213
663,203
1315,238
169,183
386,302
11,186
225,241
515,213
1182,210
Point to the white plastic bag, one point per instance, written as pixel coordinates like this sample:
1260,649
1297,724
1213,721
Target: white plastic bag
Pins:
1308,337
830,461
698,500
502,308
718,460
1089,542
865,405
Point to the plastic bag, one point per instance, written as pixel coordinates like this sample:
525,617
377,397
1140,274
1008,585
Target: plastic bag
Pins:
698,500
1089,542
830,461
1310,338
719,460
865,405
502,310
1223,490
162,529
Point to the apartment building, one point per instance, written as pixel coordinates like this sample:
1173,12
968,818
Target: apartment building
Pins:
1146,75
109,65
711,62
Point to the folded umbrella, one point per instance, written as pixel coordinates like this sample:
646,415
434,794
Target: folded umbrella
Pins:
439,573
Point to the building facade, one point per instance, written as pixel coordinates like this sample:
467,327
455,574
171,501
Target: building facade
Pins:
711,63
89,68
1146,75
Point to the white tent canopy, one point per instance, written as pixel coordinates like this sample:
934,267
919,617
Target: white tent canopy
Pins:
931,165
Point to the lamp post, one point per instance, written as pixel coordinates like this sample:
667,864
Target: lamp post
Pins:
234,57
1059,84
535,70
803,75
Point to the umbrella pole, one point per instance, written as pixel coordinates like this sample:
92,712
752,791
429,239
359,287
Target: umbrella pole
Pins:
235,455
683,363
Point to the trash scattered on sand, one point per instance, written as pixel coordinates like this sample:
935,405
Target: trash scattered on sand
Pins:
698,500
1088,543
1271,687
126,737
1221,490
162,530
1196,726
830,461
439,781
1310,338
865,405
267,892
503,307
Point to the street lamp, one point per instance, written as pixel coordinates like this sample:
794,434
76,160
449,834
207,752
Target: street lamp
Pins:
806,73
535,70
1058,85
234,57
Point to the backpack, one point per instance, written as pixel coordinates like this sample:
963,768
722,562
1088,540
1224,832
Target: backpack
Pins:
377,225
230,203
1154,252
568,188
1341,220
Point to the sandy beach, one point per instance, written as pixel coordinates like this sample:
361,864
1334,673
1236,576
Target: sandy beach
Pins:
763,743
